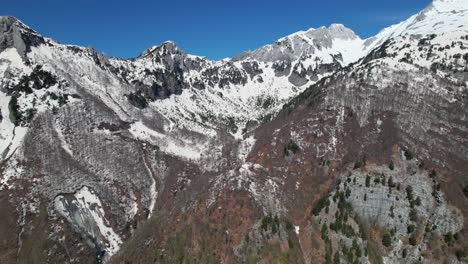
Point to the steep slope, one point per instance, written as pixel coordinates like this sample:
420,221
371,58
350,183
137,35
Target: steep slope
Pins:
384,142
94,142
368,164
170,157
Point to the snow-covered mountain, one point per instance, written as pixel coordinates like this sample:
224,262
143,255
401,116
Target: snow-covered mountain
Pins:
183,91
97,151
241,91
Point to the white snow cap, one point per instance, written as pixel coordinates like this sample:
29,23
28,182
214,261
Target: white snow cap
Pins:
448,5
451,1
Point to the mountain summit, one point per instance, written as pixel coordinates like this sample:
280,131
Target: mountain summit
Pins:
15,34
334,40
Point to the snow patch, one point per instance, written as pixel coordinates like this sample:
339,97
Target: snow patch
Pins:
89,214
11,58
178,147
245,147
63,142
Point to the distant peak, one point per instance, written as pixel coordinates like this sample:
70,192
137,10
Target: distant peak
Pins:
15,34
337,26
8,19
449,1
167,47
449,5
335,30
168,43
6,22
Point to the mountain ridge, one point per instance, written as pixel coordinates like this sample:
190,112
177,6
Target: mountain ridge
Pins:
440,5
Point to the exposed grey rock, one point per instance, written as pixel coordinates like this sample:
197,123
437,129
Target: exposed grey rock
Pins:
14,34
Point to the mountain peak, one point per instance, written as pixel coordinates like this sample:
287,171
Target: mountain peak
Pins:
15,34
437,18
8,20
334,31
167,47
335,38
337,26
440,16
450,2
448,5
341,31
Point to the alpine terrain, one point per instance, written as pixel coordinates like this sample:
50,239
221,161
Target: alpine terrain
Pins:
319,148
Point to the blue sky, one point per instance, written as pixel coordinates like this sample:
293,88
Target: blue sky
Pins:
212,28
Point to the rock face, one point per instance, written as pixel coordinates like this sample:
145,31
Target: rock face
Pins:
15,34
319,146
84,211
